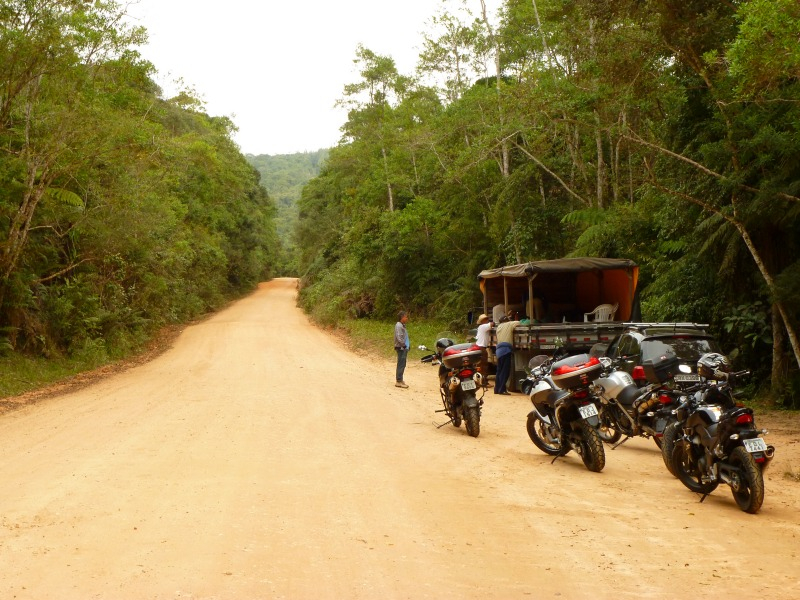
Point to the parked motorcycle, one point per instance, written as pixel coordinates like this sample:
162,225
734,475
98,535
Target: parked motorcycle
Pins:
629,410
564,415
459,382
711,391
720,442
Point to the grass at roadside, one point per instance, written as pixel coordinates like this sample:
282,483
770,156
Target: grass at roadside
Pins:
376,336
20,374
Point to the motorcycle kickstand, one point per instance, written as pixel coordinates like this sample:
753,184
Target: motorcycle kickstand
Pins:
559,455
443,424
614,447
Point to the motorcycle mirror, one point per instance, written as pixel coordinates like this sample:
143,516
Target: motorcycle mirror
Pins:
428,358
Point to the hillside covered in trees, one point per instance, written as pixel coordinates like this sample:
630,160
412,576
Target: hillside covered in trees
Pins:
120,210
283,176
661,131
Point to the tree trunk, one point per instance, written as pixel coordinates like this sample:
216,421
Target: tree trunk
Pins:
779,363
388,181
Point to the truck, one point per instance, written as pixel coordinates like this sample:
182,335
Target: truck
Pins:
556,302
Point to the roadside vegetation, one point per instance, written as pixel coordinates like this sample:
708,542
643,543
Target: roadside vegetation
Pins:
661,132
121,212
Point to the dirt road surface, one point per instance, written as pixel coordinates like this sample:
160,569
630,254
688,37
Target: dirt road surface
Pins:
259,457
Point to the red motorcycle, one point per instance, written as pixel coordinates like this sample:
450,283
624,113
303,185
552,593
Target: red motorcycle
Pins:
459,382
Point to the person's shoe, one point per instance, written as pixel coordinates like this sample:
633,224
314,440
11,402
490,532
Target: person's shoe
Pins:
401,384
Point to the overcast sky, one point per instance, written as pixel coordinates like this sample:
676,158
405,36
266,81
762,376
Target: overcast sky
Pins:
277,68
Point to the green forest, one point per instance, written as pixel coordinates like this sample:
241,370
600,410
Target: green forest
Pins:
284,176
662,131
120,211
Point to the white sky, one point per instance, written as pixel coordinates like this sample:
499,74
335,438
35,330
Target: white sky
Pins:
277,68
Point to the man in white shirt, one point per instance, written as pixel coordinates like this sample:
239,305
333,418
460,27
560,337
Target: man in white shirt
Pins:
483,338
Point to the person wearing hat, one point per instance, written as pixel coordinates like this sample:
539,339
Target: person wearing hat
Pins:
483,338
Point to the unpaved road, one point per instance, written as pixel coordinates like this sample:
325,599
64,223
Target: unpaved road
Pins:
260,458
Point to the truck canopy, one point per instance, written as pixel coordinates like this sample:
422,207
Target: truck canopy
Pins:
564,289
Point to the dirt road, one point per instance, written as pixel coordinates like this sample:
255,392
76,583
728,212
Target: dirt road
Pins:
260,458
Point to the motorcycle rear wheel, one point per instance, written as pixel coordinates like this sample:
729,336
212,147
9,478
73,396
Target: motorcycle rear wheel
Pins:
607,429
450,410
747,484
472,420
591,448
688,471
545,437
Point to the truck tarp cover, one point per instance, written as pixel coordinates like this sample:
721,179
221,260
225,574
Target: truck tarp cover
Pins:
567,287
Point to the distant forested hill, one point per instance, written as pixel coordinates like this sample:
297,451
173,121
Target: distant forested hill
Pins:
283,176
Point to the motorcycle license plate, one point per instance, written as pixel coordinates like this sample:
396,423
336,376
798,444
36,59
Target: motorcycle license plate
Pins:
755,445
687,378
468,384
590,410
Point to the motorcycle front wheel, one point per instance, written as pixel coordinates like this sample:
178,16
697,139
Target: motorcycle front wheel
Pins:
688,470
472,420
671,433
747,482
545,437
591,448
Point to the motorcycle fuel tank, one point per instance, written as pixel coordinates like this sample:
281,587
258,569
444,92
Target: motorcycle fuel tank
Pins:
619,385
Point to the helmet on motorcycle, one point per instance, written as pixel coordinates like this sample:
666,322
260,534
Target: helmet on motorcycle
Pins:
443,343
710,362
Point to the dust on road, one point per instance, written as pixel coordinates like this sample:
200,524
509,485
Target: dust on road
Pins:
260,458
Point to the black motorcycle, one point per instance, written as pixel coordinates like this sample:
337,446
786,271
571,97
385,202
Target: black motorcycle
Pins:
459,382
629,410
565,415
720,442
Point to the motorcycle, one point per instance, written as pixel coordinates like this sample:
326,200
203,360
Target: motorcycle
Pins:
720,442
711,391
459,382
564,415
629,410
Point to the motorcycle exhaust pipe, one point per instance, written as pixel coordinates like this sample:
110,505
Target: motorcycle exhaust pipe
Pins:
454,383
769,453
478,379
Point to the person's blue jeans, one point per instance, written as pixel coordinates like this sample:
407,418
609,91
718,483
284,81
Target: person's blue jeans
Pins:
402,355
504,357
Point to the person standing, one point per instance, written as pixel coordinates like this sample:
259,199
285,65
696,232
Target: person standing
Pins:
505,353
401,345
483,338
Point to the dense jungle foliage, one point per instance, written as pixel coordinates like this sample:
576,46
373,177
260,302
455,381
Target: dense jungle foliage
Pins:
120,211
664,131
284,175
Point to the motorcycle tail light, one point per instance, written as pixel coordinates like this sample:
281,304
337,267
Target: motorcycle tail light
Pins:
466,373
638,372
581,394
664,399
744,419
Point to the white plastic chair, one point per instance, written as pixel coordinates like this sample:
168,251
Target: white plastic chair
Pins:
604,312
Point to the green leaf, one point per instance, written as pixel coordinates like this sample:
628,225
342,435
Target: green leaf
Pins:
63,196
